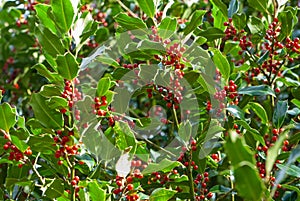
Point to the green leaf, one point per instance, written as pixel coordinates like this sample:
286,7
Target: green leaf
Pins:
221,63
249,187
287,23
46,116
42,11
63,13
255,25
67,66
50,42
55,189
165,166
259,111
273,153
185,131
167,27
279,113
260,90
95,191
103,86
239,20
256,135
260,5
50,76
296,102
236,111
162,194
212,33
291,170
147,6
130,23
221,6
233,8
195,21
7,116
22,146
124,136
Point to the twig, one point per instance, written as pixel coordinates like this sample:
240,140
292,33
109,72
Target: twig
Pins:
127,9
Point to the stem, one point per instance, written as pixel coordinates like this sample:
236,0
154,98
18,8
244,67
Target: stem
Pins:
126,8
191,180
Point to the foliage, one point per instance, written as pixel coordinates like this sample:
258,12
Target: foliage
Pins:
149,100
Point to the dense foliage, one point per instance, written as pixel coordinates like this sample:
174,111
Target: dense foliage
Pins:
149,100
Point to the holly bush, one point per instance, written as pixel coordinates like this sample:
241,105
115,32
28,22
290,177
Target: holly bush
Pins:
149,100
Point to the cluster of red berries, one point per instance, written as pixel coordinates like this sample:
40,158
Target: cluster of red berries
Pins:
126,186
101,17
21,21
230,30
158,16
201,186
138,164
185,155
293,46
244,43
74,182
30,5
71,93
100,106
270,139
15,153
64,150
92,43
154,36
86,7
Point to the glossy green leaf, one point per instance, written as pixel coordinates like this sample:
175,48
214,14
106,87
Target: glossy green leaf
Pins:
147,7
279,113
260,5
239,20
236,111
130,23
52,77
222,6
273,153
95,191
296,102
255,25
162,194
260,90
287,22
67,66
250,187
233,8
291,170
259,111
46,116
185,131
165,166
42,11
212,33
63,13
221,63
55,189
256,135
195,21
7,116
103,86
51,44
22,146
167,27
124,136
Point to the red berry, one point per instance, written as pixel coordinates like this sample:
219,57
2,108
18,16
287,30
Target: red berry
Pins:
275,131
60,162
209,195
73,182
130,187
277,90
119,183
206,174
6,147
